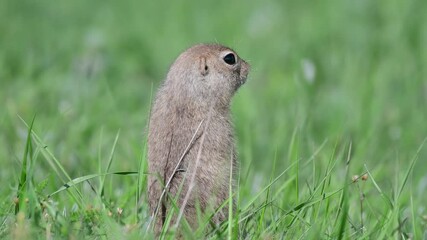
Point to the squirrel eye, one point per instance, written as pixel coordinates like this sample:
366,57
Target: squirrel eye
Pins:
230,59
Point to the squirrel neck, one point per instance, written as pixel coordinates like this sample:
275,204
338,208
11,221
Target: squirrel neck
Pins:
191,104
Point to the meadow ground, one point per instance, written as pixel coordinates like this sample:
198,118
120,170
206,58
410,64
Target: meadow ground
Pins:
337,89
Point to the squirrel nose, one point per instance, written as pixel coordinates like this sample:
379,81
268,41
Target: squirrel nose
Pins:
244,69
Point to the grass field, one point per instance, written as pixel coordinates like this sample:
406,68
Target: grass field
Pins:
337,89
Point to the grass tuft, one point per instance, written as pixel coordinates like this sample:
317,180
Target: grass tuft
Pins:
336,89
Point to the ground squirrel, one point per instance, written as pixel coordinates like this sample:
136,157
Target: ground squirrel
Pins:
191,149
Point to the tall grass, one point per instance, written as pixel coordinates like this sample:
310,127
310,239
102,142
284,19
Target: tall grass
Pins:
337,89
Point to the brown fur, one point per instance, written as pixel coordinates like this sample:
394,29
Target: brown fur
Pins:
196,93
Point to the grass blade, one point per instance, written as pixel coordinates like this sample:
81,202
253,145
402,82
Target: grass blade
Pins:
86,178
344,207
110,161
23,179
411,167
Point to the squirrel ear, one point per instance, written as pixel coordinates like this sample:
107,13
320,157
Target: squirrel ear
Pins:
203,66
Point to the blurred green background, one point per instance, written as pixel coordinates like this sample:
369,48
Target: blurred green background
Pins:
335,71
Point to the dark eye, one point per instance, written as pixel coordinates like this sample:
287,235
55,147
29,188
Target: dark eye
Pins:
230,59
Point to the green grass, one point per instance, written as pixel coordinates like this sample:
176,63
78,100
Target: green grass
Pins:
76,85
